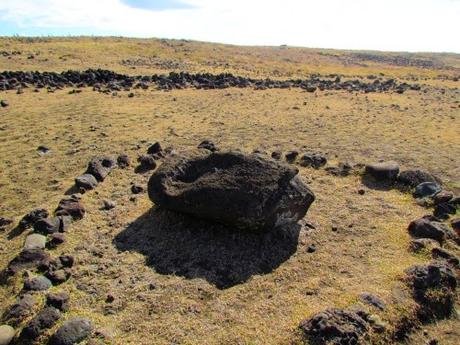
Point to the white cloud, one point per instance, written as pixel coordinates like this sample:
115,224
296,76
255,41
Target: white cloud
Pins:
405,25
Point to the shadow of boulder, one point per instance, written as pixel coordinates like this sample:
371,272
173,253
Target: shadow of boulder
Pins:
178,244
371,183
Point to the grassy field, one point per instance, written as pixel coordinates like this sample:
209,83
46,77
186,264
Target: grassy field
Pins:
367,253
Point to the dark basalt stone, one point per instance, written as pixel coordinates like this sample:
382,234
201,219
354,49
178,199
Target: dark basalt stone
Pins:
385,171
44,320
100,167
428,227
412,178
28,259
334,326
246,191
72,332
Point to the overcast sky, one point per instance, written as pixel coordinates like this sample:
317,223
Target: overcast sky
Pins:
396,25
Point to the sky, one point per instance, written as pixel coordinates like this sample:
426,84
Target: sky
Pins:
391,25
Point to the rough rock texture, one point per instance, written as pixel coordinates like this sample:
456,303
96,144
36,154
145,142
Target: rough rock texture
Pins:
245,191
28,259
428,227
44,320
21,309
433,286
70,207
123,161
412,178
427,189
100,167
455,223
72,332
208,145
86,182
32,217
39,283
385,171
35,241
59,300
314,160
334,326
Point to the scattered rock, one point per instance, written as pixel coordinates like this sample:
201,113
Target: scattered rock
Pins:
384,171
70,207
311,248
32,217
277,155
100,167
412,178
427,189
86,182
443,196
214,186
136,189
155,149
59,300
433,286
440,253
372,300
39,283
335,326
6,332
43,150
108,204
21,309
343,169
44,320
444,210
66,260
55,240
123,161
4,103
428,227
147,162
208,145
314,160
420,244
28,259
58,276
72,332
52,225
5,222
35,241
291,156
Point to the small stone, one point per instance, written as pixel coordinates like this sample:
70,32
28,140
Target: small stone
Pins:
22,308
291,156
110,298
123,161
6,334
314,160
70,207
147,162
108,204
32,217
55,240
443,196
372,300
427,189
44,320
154,149
4,103
43,150
311,248
35,241
208,145
72,332
100,167
58,300
136,189
5,222
276,155
361,191
385,171
58,276
444,210
66,260
39,283
86,182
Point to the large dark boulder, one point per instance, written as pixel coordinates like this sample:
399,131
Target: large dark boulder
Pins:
246,191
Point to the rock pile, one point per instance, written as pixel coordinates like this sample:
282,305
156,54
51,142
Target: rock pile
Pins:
109,81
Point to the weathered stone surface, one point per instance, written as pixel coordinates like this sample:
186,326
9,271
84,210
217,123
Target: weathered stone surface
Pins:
420,244
384,171
291,156
412,178
335,326
427,189
245,191
314,160
433,287
123,161
428,227
44,320
100,167
59,300
72,332
440,253
70,207
32,217
28,259
39,283
372,300
55,239
53,225
35,241
443,196
21,308
6,334
86,182
154,148
455,223
444,210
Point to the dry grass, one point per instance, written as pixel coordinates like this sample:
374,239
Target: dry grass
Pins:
368,253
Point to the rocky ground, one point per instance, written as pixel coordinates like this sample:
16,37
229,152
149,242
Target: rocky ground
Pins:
108,268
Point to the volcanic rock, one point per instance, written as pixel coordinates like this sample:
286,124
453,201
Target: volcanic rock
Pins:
246,191
44,320
428,227
412,178
72,332
385,171
427,189
86,182
100,167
